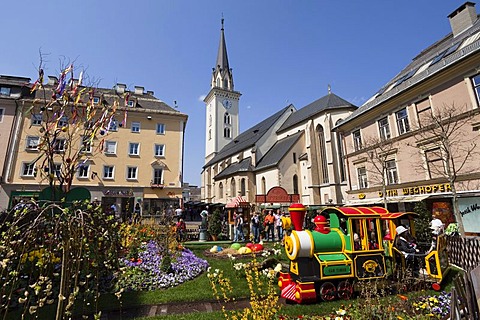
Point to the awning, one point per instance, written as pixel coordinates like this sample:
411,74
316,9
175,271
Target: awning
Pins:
238,202
356,202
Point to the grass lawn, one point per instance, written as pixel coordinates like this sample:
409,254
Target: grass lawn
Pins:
199,290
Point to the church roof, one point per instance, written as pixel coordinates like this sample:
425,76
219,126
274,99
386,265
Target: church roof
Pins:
222,58
278,151
328,102
242,166
248,138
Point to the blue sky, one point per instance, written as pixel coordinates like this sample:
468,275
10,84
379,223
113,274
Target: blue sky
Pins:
281,52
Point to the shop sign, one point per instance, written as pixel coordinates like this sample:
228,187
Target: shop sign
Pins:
120,193
470,212
434,188
277,195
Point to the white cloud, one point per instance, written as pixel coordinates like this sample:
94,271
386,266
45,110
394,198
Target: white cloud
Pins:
202,97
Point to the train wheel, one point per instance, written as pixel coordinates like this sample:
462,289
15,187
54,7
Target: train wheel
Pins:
328,292
345,290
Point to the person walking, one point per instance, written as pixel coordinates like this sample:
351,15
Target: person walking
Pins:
256,227
278,224
239,228
269,227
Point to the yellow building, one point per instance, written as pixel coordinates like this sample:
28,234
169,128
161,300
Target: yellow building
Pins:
136,158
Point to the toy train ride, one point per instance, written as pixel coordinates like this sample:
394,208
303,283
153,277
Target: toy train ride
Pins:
348,245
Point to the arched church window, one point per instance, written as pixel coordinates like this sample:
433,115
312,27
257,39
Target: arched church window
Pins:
323,154
264,186
218,82
226,118
341,162
210,120
233,188
242,187
226,132
210,134
220,190
295,184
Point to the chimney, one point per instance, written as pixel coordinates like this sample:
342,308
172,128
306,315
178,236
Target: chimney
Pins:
139,90
462,18
120,88
52,80
150,93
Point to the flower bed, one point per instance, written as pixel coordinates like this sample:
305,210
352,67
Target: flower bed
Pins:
150,271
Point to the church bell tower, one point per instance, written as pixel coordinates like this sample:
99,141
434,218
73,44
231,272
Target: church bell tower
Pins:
222,125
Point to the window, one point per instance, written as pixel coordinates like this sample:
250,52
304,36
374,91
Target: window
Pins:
157,176
83,170
402,121
63,122
113,125
134,149
59,145
159,150
323,154
242,187
391,171
56,170
132,173
135,127
294,157
226,118
32,143
110,147
4,91
131,103
86,145
2,112
424,112
384,128
357,140
210,120
226,132
435,163
160,128
233,189
295,184
37,119
362,177
28,170
108,172
264,186
341,162
209,134
220,190
96,100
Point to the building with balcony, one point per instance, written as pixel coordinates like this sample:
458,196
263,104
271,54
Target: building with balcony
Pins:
135,157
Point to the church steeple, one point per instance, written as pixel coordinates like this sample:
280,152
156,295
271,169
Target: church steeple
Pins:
222,76
222,103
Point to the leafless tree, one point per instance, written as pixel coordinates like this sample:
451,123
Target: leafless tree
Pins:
379,152
446,146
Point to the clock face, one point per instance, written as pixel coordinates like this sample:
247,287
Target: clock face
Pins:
227,103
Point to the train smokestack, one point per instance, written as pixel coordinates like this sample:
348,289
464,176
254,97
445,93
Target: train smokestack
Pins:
297,214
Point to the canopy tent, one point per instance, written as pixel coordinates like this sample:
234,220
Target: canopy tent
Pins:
238,202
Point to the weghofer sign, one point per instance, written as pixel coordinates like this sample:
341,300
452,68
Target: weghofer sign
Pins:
434,188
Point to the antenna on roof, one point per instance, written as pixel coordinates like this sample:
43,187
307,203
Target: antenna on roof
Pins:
222,20
329,89
175,104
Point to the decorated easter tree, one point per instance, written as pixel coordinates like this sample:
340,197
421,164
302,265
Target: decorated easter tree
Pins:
62,249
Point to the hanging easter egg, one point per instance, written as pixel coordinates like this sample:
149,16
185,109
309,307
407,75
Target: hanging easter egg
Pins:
45,169
64,129
43,108
68,160
102,132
